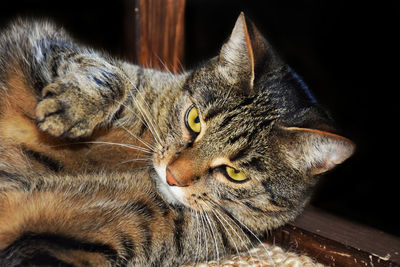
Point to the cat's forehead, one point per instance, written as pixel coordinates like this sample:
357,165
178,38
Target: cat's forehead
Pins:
278,94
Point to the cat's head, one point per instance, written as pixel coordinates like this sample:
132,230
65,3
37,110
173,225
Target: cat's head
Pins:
245,135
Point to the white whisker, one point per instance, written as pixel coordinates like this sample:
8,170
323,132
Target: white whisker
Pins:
205,234
248,239
262,244
139,148
226,230
145,121
198,238
144,114
152,148
213,235
133,160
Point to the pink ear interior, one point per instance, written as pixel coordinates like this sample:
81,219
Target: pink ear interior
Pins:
318,151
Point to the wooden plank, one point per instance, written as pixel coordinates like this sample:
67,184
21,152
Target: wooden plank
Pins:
337,242
154,31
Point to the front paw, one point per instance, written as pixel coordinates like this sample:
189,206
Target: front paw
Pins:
68,109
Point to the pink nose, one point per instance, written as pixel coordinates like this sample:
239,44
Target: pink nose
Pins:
170,179
181,172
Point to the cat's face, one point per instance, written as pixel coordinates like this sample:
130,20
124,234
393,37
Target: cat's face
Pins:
228,144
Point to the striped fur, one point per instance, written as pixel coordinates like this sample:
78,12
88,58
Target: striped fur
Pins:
88,144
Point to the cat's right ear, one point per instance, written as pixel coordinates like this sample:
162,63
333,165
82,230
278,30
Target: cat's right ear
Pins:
244,53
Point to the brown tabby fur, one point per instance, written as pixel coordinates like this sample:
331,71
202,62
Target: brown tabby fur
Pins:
87,141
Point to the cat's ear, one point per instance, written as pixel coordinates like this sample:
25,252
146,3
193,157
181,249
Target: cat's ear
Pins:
315,151
245,52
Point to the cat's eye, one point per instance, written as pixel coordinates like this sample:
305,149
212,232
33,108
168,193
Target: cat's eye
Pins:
192,119
235,175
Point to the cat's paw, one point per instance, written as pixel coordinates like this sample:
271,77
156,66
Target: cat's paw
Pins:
71,109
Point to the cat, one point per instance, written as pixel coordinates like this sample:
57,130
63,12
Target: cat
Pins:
105,163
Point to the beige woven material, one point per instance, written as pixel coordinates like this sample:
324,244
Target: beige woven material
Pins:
263,255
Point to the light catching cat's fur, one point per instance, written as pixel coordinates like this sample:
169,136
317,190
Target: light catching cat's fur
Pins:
99,167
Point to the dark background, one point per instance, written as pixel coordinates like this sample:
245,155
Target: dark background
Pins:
346,51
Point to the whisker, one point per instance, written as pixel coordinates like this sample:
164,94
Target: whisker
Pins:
256,237
144,120
152,148
213,235
205,234
133,160
226,230
144,114
248,239
244,234
117,144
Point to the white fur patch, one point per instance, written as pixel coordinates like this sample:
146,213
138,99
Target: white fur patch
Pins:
173,194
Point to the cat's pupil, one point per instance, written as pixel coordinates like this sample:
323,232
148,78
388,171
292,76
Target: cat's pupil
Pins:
197,119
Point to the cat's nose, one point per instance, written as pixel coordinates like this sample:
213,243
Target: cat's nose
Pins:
181,172
170,179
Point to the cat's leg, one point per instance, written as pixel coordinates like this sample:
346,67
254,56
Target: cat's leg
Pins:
76,88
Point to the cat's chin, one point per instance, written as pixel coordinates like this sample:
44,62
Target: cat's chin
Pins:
172,194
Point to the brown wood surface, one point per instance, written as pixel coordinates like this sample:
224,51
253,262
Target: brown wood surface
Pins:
154,31
337,242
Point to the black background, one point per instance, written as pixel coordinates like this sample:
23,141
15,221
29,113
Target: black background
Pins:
346,51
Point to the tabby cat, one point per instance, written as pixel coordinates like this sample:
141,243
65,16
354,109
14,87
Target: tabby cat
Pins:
105,163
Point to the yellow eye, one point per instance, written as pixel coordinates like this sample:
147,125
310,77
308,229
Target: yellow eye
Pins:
192,119
235,175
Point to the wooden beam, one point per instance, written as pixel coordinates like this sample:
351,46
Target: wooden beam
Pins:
336,242
154,31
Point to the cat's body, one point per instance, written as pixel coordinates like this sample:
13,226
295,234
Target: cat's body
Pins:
216,156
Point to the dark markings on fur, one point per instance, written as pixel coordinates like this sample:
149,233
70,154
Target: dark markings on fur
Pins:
250,206
29,244
256,163
212,112
15,179
239,154
142,129
44,259
273,198
222,232
103,83
54,65
188,89
56,62
163,255
38,82
162,205
49,163
66,132
240,225
178,232
140,208
60,111
243,134
251,135
225,197
118,114
147,241
228,119
139,78
128,247
109,76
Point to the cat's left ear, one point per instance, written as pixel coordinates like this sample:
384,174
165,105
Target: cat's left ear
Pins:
244,53
315,151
